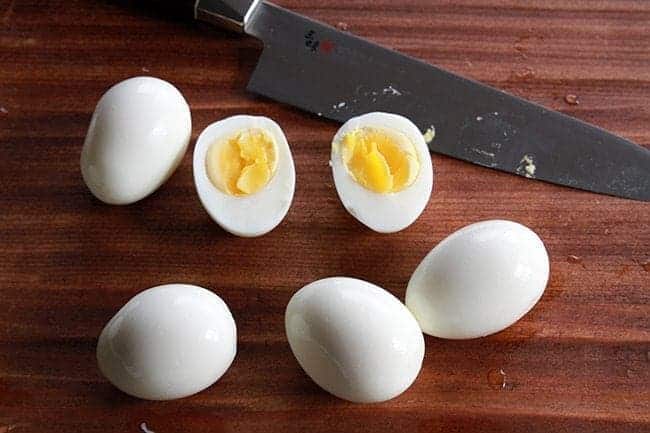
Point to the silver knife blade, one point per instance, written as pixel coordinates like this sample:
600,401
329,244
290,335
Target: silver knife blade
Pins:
337,75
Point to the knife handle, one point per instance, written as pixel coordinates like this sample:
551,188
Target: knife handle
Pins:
229,14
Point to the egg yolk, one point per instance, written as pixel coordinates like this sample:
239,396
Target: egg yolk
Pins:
380,160
242,164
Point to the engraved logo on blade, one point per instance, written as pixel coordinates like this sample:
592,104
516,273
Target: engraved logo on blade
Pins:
314,44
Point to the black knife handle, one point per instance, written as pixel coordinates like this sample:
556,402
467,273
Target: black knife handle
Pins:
178,9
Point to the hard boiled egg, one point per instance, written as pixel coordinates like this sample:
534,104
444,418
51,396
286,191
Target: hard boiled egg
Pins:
354,339
168,342
382,170
244,174
479,280
138,135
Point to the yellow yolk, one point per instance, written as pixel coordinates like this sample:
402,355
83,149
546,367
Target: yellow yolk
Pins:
243,163
380,160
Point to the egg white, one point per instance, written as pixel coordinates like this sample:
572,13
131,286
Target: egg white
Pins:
255,214
388,212
479,280
168,342
137,137
354,339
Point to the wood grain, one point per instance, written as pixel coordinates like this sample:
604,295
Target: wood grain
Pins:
579,362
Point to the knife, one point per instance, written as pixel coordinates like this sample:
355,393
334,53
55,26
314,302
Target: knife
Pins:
337,75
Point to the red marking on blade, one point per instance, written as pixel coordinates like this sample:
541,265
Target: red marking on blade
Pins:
327,46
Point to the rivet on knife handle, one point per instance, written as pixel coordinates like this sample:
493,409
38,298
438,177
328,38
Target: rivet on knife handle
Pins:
230,14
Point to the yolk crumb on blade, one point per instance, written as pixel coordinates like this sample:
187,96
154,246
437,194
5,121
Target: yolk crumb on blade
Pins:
242,164
380,160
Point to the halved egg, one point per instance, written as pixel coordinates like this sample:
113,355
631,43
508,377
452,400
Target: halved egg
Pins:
244,174
382,170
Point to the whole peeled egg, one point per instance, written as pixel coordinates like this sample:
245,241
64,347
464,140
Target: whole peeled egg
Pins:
382,170
354,339
244,174
479,280
137,136
168,342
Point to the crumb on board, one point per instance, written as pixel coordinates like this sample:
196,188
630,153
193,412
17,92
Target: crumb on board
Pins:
342,26
572,258
143,427
572,99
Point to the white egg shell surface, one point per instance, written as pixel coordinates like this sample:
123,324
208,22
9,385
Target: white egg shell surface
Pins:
168,342
138,135
479,280
390,212
258,213
354,339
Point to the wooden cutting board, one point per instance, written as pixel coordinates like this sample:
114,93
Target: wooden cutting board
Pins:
579,362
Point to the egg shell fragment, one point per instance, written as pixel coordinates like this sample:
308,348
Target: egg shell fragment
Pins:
389,212
168,342
137,136
255,214
479,280
354,339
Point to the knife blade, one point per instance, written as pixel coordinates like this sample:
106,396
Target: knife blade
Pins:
337,75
